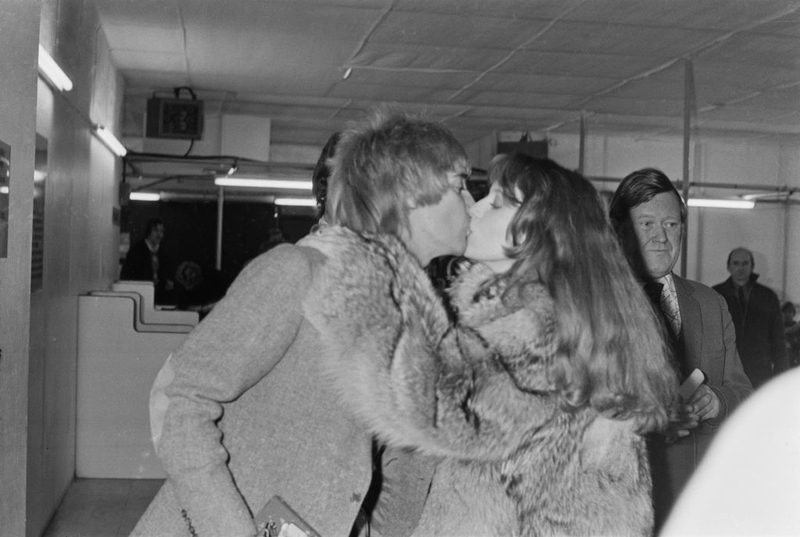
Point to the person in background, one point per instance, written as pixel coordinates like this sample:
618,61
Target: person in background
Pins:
756,313
321,173
537,397
244,409
274,238
197,289
648,215
791,329
146,261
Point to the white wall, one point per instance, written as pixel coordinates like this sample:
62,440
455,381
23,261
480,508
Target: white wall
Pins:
770,230
19,25
80,240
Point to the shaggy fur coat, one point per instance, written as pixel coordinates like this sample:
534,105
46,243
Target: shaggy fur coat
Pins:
477,394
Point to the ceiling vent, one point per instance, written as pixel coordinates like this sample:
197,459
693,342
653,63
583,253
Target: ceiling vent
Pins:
175,118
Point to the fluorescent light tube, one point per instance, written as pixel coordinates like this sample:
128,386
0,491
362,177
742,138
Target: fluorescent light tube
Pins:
287,184
145,196
110,140
50,70
721,204
296,202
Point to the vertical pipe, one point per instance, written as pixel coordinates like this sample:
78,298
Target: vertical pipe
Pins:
277,216
582,145
786,231
220,207
688,105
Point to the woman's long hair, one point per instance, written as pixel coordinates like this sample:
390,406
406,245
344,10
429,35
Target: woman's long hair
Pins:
612,354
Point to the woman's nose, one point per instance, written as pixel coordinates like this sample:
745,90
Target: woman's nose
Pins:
478,208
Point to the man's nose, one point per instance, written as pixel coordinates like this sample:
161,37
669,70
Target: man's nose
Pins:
468,199
659,233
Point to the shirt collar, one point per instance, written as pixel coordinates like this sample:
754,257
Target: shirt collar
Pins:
668,283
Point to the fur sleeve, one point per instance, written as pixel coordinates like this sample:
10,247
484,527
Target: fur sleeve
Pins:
394,357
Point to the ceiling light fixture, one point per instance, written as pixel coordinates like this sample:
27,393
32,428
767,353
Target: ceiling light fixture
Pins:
287,184
110,140
145,196
347,73
296,202
51,72
721,203
3,190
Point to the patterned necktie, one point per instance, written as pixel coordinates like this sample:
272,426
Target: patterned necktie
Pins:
669,305
154,264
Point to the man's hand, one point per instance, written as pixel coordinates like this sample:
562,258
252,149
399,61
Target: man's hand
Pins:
705,403
682,423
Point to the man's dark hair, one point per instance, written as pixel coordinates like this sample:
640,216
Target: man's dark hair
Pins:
640,187
741,249
151,225
321,173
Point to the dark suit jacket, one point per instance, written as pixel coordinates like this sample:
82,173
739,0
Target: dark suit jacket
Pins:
707,341
759,330
138,266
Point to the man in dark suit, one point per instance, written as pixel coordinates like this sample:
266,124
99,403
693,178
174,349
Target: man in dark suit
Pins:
648,214
756,313
146,261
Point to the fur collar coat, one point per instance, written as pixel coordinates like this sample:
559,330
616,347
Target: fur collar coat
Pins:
476,394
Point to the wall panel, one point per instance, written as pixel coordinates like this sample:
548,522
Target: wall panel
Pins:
80,241
19,28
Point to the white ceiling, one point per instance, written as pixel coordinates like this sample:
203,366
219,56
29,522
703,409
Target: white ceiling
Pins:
480,65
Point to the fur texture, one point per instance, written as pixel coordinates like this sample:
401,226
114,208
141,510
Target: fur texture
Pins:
478,394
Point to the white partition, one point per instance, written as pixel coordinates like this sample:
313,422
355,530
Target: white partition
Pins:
138,323
116,369
150,313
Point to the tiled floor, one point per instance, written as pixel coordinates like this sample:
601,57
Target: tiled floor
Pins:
102,507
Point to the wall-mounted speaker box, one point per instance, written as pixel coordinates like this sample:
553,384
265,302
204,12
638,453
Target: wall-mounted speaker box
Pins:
174,118
537,148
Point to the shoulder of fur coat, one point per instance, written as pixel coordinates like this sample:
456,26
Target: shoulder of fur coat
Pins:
397,362
371,303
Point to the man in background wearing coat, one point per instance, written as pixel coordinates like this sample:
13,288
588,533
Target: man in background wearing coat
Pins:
146,261
756,313
648,215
